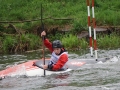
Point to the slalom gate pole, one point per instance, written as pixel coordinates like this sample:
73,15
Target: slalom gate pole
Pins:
89,26
43,41
94,26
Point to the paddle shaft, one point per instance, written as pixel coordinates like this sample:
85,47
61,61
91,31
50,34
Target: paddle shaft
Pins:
43,41
43,52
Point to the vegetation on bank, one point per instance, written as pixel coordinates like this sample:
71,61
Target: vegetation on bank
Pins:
111,41
70,41
21,43
106,13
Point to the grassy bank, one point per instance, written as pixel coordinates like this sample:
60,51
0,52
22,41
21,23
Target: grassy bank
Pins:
13,44
106,13
111,41
70,41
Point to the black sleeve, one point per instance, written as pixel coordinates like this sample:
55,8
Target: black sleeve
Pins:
50,66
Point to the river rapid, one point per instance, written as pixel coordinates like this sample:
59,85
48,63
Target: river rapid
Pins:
103,76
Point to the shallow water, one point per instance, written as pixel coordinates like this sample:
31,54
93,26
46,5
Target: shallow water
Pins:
88,77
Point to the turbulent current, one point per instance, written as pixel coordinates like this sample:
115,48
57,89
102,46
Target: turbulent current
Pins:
100,76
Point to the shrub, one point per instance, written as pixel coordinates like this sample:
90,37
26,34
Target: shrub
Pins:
70,41
9,43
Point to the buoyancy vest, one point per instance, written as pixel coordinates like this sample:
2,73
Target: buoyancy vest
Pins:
54,58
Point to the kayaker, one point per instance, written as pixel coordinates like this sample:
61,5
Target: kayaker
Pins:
59,55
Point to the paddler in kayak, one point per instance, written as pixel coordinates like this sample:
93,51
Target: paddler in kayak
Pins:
59,55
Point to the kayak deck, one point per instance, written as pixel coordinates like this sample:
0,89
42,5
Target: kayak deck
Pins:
29,69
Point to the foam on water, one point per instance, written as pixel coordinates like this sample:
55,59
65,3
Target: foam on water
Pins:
100,76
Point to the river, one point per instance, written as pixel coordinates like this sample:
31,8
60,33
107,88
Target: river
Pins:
89,77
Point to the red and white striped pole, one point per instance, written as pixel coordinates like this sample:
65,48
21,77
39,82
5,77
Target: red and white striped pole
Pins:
94,26
89,26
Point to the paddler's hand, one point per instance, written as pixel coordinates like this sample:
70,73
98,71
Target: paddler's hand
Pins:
45,66
43,33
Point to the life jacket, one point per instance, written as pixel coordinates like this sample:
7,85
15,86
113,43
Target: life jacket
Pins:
54,58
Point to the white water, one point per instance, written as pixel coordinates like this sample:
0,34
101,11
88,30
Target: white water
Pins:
89,77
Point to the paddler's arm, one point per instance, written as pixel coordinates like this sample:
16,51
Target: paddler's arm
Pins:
61,62
45,67
47,43
55,67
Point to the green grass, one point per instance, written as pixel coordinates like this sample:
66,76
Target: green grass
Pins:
72,42
106,11
109,41
9,43
34,41
25,41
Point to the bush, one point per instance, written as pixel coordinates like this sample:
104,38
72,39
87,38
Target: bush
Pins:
9,43
109,41
70,41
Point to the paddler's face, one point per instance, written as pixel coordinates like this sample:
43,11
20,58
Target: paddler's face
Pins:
57,50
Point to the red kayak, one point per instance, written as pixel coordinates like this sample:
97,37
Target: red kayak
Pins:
29,69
